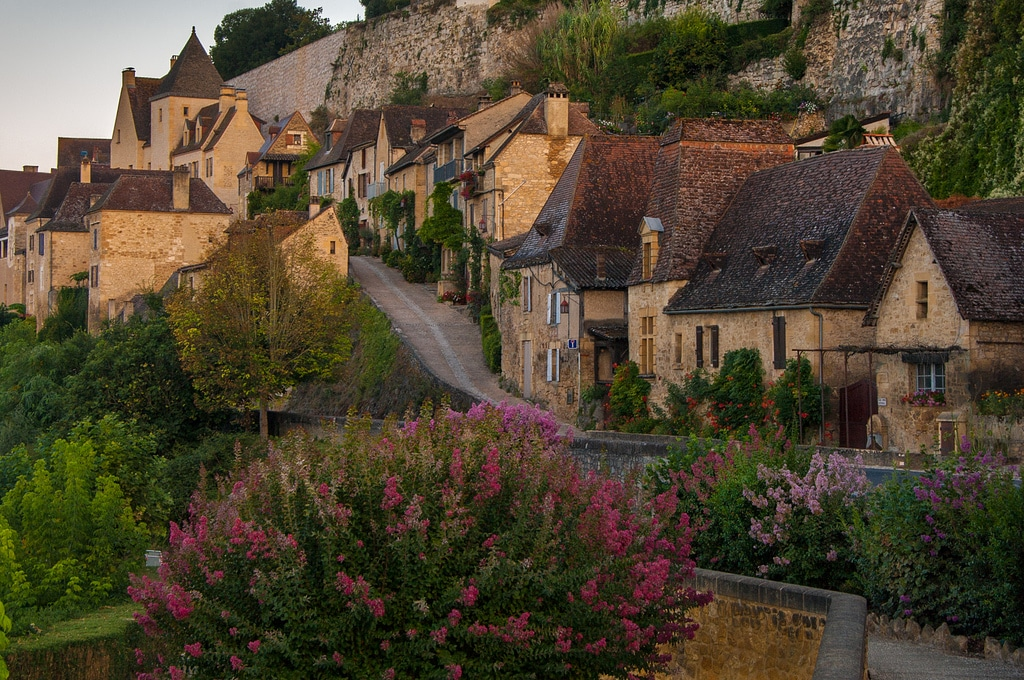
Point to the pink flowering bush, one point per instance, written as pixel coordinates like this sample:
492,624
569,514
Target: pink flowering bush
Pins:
946,547
460,545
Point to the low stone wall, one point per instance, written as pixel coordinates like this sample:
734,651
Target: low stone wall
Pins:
767,630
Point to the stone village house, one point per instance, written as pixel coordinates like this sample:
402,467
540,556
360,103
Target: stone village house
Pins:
347,142
273,164
949,319
791,267
20,192
568,277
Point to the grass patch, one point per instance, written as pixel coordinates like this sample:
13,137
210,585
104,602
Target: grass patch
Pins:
108,622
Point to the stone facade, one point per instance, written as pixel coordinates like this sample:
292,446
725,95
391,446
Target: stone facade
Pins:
324,234
66,253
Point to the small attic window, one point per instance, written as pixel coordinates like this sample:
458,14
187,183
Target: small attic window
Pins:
765,254
716,260
812,248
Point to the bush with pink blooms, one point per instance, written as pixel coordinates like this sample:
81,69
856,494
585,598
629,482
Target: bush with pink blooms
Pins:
456,546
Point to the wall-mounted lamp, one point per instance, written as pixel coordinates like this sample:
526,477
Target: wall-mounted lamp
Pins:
565,305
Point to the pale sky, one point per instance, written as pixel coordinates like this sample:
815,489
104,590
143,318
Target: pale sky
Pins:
61,62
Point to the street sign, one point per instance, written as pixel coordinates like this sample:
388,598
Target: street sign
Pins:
574,344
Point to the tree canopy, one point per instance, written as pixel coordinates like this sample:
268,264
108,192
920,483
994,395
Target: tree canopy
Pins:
265,317
253,36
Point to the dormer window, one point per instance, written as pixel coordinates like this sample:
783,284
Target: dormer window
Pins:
765,255
650,230
812,248
716,260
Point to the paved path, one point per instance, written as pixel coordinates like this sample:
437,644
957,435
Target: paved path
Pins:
444,338
901,660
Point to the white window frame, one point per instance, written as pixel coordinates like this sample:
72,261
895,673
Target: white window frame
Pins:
554,308
527,293
931,377
553,364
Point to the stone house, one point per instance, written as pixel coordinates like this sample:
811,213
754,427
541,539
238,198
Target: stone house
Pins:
518,165
949,320
152,112
560,330
812,145
143,229
791,268
275,161
344,164
215,143
20,192
701,164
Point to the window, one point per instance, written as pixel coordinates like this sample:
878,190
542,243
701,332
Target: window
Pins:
553,373
31,276
779,341
363,160
922,299
32,243
931,377
320,183
184,111
296,139
527,294
330,180
209,167
333,248
195,169
554,308
118,135
94,276
364,180
714,346
95,239
3,248
42,244
648,265
678,353
699,345
647,345
160,115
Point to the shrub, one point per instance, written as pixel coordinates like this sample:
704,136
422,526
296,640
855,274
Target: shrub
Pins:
946,548
627,397
737,392
797,400
451,547
5,627
491,337
795,63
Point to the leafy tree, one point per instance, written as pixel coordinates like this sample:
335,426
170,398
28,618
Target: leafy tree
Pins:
265,318
253,36
409,89
5,627
376,8
444,225
453,546
348,216
9,314
695,47
579,47
70,313
845,133
293,195
797,399
737,391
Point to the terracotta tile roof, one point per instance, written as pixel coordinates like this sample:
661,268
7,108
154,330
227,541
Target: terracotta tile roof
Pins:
30,203
593,211
62,180
507,247
79,198
398,121
152,192
981,255
361,128
69,151
138,99
817,231
701,165
15,186
192,75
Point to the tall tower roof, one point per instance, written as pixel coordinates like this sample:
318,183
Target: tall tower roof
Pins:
192,74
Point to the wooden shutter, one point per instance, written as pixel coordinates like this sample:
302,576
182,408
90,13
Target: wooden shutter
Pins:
779,341
714,346
699,346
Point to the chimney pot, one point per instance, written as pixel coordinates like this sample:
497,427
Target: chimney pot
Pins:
180,188
174,58
85,170
516,88
483,102
30,168
128,77
556,110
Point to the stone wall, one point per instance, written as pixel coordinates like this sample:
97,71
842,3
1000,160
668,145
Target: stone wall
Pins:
845,65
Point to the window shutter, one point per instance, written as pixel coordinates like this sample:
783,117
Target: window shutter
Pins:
556,305
549,318
700,346
557,365
779,341
553,365
714,346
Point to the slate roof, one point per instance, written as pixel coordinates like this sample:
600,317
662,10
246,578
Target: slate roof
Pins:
207,116
530,121
62,180
1013,204
152,192
138,99
76,203
192,75
69,151
398,121
30,202
818,231
15,185
361,129
593,211
701,165
509,246
981,255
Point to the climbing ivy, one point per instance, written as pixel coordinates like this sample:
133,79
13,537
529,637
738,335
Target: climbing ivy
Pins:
394,209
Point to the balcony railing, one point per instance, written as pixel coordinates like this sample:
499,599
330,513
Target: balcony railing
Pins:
269,182
448,171
376,189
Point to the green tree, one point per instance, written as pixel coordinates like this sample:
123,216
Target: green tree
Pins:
291,196
348,216
5,627
444,225
265,318
695,47
845,133
70,313
253,36
376,8
578,49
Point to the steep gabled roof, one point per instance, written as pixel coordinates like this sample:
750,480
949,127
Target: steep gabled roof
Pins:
980,254
153,192
62,180
398,121
30,202
138,99
592,213
1012,204
362,128
813,232
531,121
192,75
701,165
15,185
70,149
76,203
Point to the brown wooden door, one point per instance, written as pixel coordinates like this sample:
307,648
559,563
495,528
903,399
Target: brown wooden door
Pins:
857,403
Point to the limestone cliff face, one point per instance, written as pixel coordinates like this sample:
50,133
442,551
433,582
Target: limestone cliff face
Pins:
452,43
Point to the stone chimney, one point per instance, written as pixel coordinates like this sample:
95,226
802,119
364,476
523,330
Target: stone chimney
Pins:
30,168
85,172
128,77
180,188
174,58
241,103
517,87
337,130
227,98
417,130
556,110
483,102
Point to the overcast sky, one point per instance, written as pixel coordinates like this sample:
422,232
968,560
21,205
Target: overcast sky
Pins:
61,62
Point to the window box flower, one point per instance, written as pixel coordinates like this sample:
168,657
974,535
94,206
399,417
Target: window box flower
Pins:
925,398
